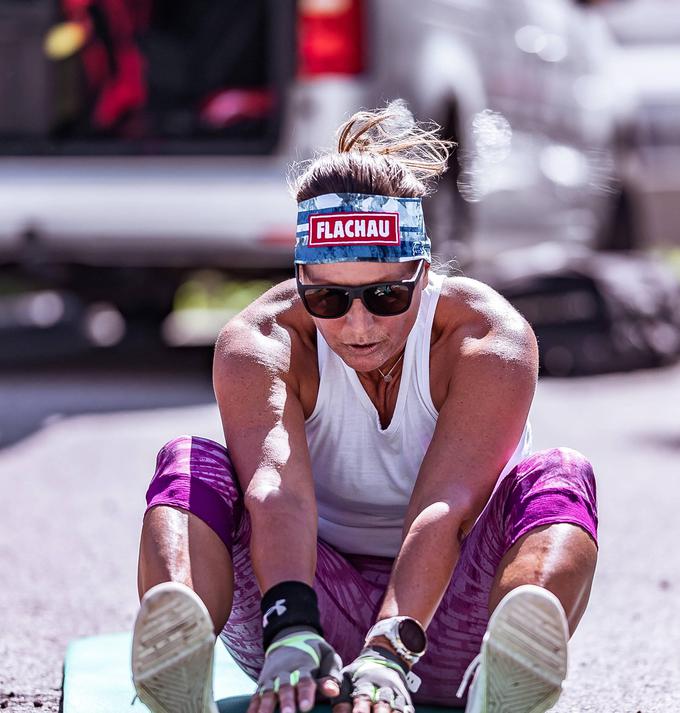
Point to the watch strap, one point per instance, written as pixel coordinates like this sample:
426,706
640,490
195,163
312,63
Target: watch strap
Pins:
380,628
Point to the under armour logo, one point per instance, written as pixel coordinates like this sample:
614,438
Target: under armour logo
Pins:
279,608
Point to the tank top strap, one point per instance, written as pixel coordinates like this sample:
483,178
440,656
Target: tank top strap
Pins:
423,353
325,364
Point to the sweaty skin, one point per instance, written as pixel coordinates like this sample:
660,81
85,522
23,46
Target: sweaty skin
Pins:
359,326
483,370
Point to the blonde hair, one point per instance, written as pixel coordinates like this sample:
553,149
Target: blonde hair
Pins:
381,152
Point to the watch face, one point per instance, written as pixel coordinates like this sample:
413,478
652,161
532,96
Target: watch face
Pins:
412,636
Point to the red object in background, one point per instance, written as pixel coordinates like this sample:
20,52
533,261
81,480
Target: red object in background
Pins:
123,92
331,37
114,66
228,106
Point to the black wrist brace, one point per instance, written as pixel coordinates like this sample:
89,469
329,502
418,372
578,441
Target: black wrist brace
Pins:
289,603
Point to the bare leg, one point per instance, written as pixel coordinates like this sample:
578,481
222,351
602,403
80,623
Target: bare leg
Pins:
177,546
560,558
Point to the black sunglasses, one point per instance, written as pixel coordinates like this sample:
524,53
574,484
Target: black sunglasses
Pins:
384,299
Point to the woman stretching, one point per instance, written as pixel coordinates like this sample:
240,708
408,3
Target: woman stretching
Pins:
377,529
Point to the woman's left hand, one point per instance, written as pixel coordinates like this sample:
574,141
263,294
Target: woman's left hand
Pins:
373,683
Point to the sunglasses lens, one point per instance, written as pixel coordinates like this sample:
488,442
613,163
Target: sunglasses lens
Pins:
326,302
388,299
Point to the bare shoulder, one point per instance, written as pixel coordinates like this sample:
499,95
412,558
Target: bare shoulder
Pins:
259,400
269,336
476,317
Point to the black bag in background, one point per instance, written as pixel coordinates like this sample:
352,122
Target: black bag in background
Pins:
595,313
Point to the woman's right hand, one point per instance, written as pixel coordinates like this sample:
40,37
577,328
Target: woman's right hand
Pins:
297,662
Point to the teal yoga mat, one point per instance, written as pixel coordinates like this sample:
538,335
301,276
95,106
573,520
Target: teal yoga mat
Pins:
97,679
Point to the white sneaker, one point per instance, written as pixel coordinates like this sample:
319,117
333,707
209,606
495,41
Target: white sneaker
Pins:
523,660
172,651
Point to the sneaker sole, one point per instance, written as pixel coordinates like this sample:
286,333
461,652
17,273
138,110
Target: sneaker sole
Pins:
526,652
172,651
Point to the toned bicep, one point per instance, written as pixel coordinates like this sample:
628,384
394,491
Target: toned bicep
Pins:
262,416
480,422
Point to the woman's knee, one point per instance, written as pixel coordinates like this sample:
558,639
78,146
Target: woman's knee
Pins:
552,486
196,457
558,465
192,453
196,474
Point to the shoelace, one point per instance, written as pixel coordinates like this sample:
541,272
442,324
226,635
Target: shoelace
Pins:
474,664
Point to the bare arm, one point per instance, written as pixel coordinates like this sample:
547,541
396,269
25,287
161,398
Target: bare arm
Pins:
479,425
263,425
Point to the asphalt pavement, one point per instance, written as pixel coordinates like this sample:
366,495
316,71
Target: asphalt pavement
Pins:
77,449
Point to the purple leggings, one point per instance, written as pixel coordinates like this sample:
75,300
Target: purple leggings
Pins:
551,486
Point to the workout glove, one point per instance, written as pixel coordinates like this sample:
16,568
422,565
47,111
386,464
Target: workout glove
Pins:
297,652
378,678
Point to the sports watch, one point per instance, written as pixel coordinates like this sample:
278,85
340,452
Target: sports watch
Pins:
405,633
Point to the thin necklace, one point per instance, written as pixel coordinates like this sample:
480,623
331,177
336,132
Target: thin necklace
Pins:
386,377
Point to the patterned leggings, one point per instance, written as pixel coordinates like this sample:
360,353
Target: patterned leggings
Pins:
551,486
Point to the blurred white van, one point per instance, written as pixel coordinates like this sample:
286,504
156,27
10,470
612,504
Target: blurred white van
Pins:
648,60
158,137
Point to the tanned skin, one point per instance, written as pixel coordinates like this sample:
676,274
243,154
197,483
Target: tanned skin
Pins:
483,371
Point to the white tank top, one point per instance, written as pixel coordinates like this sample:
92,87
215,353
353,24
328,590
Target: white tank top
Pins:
364,474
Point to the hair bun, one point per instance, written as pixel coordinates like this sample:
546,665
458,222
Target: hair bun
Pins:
394,132
381,152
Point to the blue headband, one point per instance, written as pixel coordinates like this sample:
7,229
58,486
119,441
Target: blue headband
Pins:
353,227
